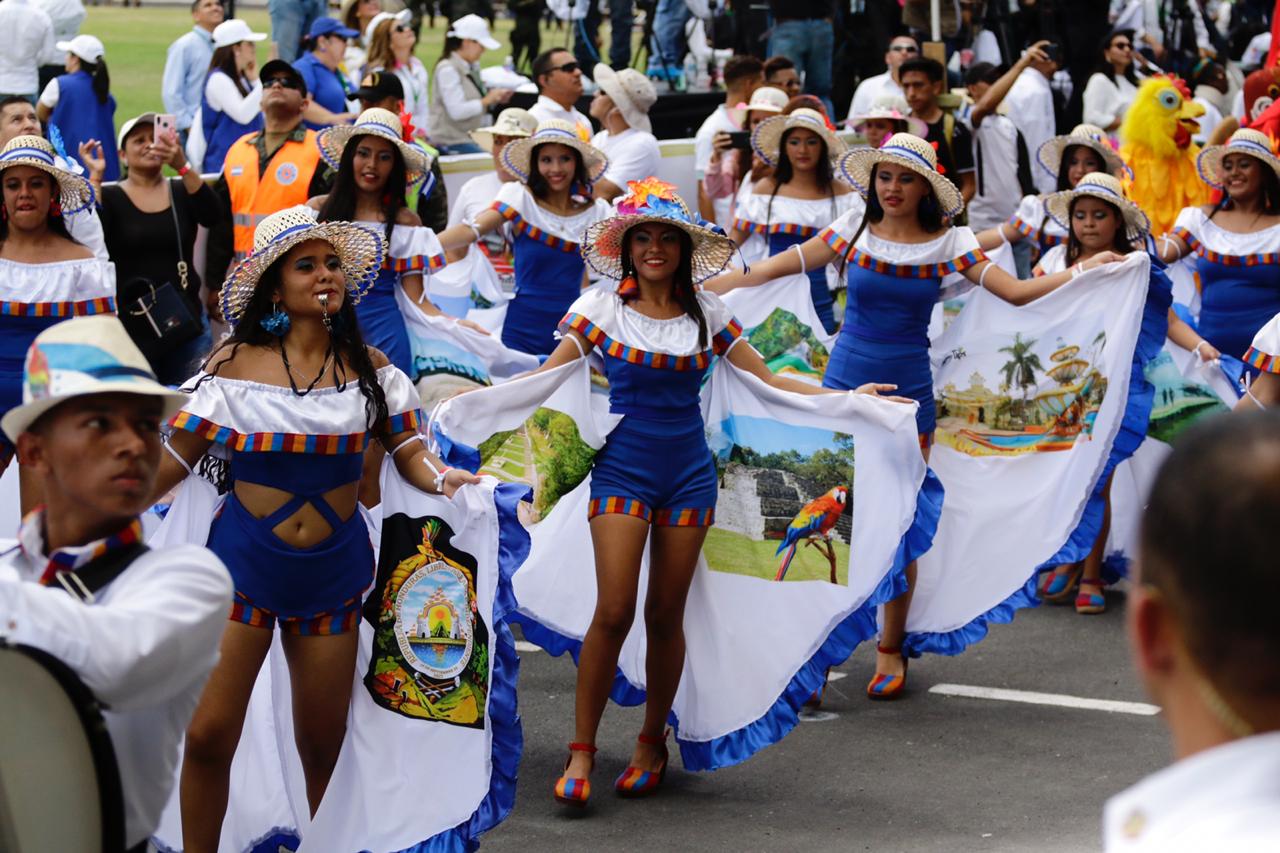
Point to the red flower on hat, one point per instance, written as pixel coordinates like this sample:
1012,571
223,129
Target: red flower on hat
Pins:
406,123
936,161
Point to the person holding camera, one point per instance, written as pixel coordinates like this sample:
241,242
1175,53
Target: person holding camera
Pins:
1030,102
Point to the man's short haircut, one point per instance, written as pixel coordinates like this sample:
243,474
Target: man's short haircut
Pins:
1209,545
931,68
542,64
195,3
982,72
907,36
740,68
774,64
10,100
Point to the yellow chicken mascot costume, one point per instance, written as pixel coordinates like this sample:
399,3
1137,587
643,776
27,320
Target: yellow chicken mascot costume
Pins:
1155,142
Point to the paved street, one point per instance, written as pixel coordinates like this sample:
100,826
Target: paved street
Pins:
927,773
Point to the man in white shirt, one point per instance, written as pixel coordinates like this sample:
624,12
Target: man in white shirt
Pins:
742,76
26,37
186,65
559,81
1030,102
66,17
477,194
1001,159
875,89
622,108
1205,641
140,628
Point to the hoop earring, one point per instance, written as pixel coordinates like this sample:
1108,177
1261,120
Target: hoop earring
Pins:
277,322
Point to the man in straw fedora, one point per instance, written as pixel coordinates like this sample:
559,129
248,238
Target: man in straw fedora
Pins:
621,105
140,627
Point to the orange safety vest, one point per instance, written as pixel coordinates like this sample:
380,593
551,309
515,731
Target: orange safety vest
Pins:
284,183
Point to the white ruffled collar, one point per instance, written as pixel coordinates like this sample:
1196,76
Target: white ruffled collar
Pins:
676,336
1214,238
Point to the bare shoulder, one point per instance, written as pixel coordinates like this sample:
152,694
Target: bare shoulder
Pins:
234,361
376,356
317,202
840,188
1207,209
405,216
765,185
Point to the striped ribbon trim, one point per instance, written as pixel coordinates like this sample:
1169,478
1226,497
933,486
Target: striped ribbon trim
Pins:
286,442
724,338
1027,230
788,228
618,506
868,262
689,517
520,226
101,305
418,263
633,355
1259,260
1265,362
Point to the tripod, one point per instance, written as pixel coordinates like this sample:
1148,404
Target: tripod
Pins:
649,42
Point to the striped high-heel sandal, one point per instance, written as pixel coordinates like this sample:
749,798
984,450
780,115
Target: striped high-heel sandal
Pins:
575,792
635,782
1091,603
888,686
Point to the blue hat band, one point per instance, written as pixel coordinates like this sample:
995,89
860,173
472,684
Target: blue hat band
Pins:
555,131
1248,146
1099,188
28,154
910,155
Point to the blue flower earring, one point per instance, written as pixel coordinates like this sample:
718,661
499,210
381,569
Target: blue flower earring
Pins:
277,322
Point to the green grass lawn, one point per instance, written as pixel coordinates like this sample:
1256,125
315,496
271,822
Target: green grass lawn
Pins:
136,40
735,553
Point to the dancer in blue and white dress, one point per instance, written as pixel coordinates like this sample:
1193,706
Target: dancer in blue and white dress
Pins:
292,397
1263,356
45,275
372,161
549,209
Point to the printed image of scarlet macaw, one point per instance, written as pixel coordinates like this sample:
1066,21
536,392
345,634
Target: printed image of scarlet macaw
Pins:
813,526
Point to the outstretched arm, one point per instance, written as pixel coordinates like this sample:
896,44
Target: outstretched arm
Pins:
462,235
1018,292
811,255
1264,393
745,357
1172,248
421,468
991,99
994,238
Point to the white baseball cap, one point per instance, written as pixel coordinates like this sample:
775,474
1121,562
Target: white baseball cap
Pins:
404,16
234,31
88,48
475,28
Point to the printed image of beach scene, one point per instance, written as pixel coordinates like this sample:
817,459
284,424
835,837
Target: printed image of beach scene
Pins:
784,506
789,346
1023,395
442,369
546,453
1179,402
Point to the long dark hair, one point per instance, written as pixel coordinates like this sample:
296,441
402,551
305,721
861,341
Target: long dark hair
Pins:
1064,183
538,185
1104,66
1270,193
784,172
685,294
340,205
57,225
224,60
451,44
348,347
101,80
1119,242
928,213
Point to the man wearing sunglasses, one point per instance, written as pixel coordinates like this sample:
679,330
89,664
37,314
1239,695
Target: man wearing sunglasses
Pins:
559,82
886,85
265,171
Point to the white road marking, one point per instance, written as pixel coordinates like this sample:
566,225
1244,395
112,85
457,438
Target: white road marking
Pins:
524,646
1141,709
836,676
809,716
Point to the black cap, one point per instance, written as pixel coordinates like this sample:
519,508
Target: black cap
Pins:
380,85
278,66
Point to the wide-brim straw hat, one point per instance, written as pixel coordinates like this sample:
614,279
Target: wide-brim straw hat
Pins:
911,152
374,122
78,357
512,122
653,200
75,193
630,91
766,139
517,156
360,248
766,99
1102,186
1049,154
890,109
1244,141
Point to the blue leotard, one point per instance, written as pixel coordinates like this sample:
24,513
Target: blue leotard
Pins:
411,250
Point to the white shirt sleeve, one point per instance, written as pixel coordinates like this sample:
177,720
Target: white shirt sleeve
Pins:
134,648
85,228
636,158
449,84
224,97
1102,102
52,92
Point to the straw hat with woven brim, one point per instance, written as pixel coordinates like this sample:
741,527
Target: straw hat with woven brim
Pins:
908,151
378,122
1107,188
1244,141
512,122
74,192
652,200
517,156
888,109
1049,154
766,140
360,248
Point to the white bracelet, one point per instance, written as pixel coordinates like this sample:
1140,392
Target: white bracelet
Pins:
475,229
800,254
1166,242
1197,350
1077,269
1248,392
983,275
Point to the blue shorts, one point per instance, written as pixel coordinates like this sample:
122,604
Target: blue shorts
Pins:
658,471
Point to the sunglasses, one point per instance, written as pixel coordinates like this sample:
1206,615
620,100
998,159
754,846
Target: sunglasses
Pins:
567,68
1122,45
402,28
904,48
283,81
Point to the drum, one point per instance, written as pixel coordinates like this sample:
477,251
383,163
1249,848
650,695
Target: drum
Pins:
59,783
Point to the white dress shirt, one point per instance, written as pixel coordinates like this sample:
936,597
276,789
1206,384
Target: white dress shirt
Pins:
145,647
633,155
1030,103
1226,798
545,108
26,37
1106,102
871,90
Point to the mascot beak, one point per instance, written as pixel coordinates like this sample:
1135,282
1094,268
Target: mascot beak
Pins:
1187,124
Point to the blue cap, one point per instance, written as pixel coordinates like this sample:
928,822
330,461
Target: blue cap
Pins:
330,26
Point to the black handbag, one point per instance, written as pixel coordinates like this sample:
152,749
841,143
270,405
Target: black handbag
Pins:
158,317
